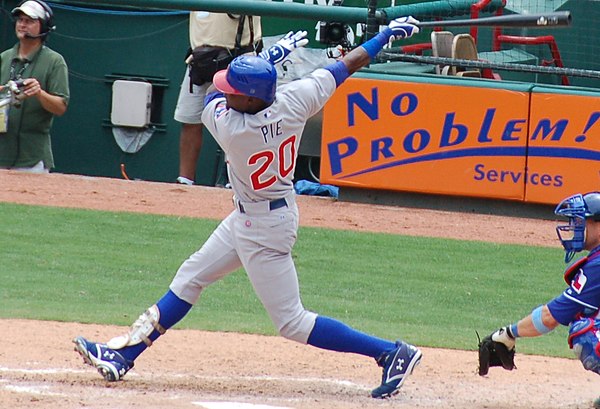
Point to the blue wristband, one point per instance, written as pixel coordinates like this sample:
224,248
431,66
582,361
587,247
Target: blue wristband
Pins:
536,317
514,330
339,71
375,44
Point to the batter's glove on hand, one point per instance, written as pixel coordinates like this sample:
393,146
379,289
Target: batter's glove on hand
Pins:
403,27
282,48
497,349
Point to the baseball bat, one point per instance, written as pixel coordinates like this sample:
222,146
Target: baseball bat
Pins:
557,18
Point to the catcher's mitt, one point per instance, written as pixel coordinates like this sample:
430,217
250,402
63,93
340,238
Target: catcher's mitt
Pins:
495,353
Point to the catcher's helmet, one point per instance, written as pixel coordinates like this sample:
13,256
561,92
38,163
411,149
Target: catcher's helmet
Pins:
37,10
577,208
248,75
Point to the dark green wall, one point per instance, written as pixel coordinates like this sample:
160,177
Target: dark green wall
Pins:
101,46
98,48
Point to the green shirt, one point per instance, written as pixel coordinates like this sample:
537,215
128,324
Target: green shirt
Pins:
27,140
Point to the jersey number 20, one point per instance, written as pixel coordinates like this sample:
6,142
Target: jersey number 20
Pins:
286,160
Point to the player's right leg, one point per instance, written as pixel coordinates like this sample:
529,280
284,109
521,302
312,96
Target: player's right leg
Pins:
213,261
398,359
273,275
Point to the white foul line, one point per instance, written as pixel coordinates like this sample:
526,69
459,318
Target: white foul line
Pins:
44,390
236,405
62,371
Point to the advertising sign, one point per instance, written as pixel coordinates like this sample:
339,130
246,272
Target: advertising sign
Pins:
449,138
426,137
564,146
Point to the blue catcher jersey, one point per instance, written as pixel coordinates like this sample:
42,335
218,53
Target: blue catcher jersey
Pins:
582,296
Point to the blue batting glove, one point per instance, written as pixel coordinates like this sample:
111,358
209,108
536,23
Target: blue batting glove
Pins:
282,48
403,27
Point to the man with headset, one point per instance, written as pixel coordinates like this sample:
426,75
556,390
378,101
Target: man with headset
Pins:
44,90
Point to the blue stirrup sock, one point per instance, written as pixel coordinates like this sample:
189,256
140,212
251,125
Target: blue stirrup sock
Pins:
172,310
334,335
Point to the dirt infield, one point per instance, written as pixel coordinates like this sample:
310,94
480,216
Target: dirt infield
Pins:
209,370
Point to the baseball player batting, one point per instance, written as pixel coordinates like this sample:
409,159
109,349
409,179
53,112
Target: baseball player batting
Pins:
259,127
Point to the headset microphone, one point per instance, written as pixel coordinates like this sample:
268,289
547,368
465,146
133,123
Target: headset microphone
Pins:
27,35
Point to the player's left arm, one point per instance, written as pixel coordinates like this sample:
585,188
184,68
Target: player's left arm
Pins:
539,322
400,28
498,348
321,90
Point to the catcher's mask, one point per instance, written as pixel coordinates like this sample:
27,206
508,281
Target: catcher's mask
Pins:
577,209
248,75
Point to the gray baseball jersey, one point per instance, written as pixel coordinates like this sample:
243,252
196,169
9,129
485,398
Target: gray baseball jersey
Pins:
261,151
262,148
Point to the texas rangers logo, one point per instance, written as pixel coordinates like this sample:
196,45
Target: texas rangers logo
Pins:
579,282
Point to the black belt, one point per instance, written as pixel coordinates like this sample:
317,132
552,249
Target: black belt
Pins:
273,204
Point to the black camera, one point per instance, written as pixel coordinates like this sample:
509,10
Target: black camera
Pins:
334,34
16,85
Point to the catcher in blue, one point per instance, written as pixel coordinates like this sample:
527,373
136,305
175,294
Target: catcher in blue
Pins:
259,127
577,307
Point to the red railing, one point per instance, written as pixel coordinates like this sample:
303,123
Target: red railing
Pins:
416,49
498,39
541,40
476,9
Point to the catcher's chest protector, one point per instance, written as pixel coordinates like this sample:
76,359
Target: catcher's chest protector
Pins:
574,268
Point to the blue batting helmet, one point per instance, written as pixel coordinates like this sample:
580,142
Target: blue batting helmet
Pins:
577,208
248,75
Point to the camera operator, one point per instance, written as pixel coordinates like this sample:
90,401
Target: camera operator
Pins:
43,90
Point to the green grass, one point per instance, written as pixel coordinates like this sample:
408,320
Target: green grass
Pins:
101,267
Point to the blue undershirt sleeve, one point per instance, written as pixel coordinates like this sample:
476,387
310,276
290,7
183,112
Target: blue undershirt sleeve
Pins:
211,96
